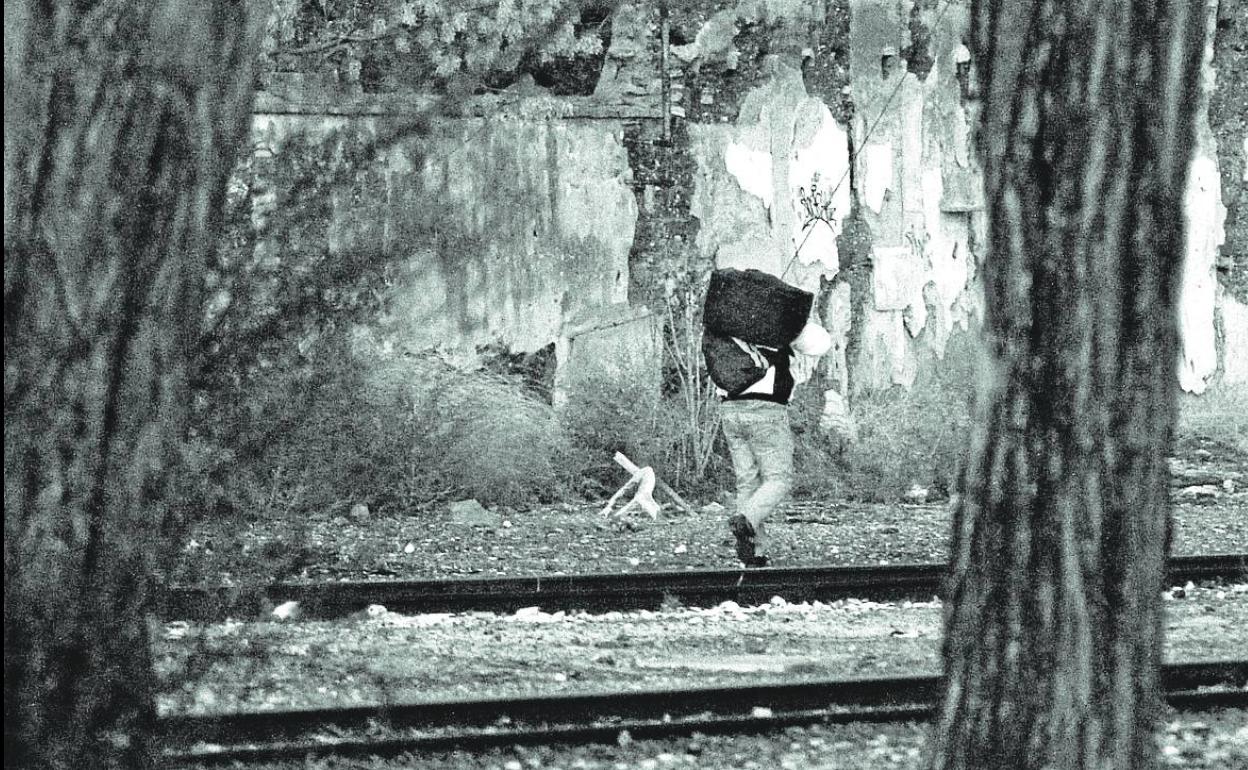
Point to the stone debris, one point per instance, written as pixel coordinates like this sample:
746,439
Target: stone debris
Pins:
836,418
419,621
1201,492
917,495
471,513
287,611
737,664
536,615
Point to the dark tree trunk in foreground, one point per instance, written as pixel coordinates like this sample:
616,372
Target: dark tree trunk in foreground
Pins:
121,125
1053,631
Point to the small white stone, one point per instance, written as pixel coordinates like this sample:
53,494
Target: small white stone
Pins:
286,610
409,548
761,712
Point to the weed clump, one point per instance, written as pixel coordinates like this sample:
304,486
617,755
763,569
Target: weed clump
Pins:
906,437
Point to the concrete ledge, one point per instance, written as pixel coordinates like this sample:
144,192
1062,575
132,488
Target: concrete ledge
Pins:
490,105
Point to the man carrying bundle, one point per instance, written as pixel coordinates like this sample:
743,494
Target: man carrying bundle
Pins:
758,345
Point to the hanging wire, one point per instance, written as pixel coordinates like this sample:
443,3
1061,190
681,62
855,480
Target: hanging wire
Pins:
862,145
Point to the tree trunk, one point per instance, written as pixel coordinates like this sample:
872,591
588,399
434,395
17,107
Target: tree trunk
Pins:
1053,628
121,125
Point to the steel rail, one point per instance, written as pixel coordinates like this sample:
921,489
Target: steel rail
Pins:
609,591
590,718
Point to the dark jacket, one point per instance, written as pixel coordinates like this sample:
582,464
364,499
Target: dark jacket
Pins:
745,372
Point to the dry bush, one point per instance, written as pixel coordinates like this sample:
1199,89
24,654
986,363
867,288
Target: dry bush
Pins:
606,416
916,436
396,434
483,435
1220,414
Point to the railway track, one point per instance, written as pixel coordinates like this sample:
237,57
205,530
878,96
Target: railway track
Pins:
600,718
643,590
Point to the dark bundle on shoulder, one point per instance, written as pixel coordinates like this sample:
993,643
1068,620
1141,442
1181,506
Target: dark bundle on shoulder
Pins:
756,307
729,365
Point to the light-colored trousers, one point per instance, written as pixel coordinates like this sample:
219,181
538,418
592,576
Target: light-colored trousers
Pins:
761,443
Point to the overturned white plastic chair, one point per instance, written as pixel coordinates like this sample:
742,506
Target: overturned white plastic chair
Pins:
643,498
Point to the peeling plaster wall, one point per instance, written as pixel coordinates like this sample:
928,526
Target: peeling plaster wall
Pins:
510,228
920,191
505,228
921,196
1228,118
1205,215
753,174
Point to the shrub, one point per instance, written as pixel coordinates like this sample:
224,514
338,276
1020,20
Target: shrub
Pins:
916,436
1219,415
604,421
485,436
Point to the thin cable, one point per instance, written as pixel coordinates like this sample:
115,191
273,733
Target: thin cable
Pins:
862,145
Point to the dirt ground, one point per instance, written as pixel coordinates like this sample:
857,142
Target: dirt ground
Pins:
387,657
1210,492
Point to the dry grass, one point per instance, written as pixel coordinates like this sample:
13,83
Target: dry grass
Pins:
409,432
1220,414
906,437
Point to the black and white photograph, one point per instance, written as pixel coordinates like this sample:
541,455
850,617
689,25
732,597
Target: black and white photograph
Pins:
626,384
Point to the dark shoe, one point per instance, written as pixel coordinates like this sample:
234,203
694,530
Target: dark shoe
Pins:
744,533
757,562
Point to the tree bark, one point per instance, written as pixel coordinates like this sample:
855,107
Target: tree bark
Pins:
121,125
1053,627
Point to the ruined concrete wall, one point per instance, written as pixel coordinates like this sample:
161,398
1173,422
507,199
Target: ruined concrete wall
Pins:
921,201
918,186
1228,119
1205,214
504,228
763,93
756,177
529,231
